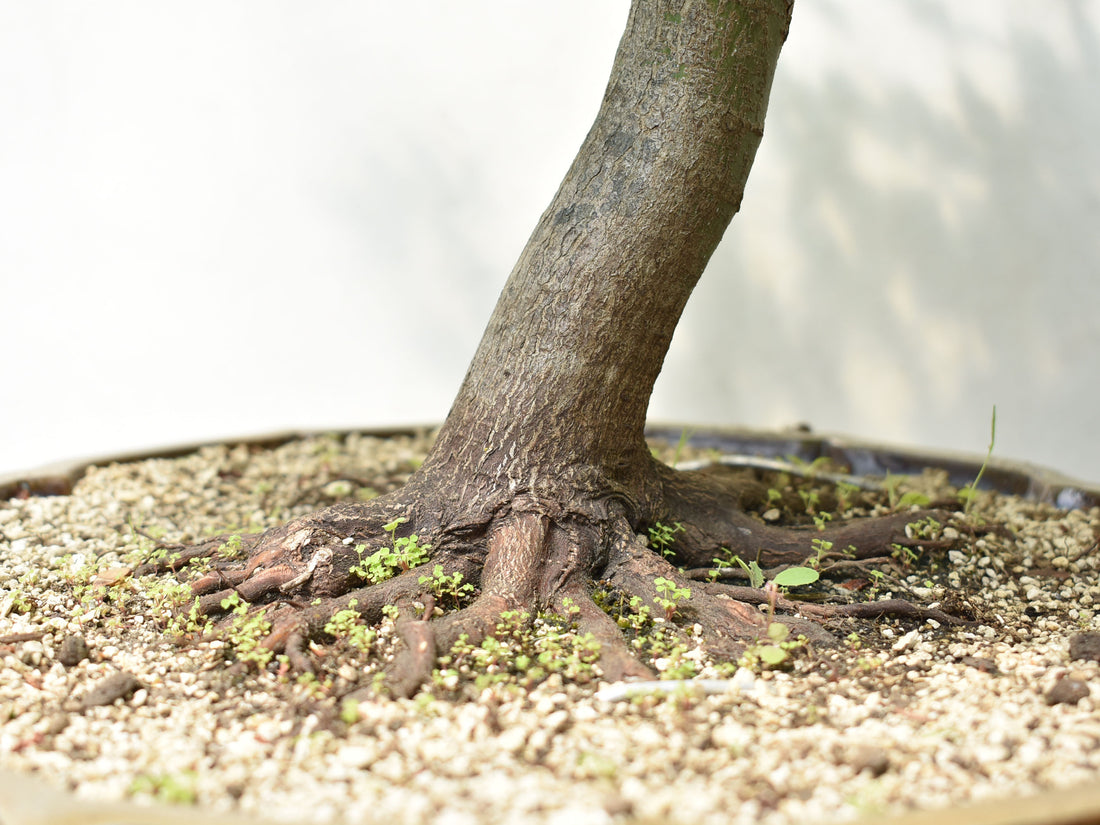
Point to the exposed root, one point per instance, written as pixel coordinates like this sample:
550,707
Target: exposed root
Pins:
296,647
416,657
897,608
893,608
533,564
728,574
706,503
727,624
528,555
616,660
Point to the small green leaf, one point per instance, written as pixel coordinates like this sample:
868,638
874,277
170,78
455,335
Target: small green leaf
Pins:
772,655
912,498
795,577
349,711
756,575
778,632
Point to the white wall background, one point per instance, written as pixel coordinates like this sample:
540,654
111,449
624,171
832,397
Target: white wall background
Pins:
230,218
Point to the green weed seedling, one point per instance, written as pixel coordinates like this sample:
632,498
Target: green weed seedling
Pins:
231,548
855,644
520,653
675,664
638,619
926,528
822,549
899,500
247,632
187,624
810,500
404,553
570,609
669,595
845,492
970,492
776,651
755,574
17,597
144,539
809,469
877,578
662,536
349,711
174,789
717,566
913,498
790,577
905,556
685,436
795,577
444,587
347,624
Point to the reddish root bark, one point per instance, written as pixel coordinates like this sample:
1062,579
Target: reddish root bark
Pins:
417,652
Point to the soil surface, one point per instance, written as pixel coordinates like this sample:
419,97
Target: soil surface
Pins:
107,691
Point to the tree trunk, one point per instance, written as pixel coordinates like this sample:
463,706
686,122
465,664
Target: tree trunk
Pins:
554,403
540,480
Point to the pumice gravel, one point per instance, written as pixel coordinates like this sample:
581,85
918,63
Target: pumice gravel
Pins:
99,700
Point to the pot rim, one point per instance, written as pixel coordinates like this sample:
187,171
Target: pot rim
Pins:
865,458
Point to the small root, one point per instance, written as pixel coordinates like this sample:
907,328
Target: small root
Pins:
415,659
172,558
616,660
264,582
861,565
296,648
895,608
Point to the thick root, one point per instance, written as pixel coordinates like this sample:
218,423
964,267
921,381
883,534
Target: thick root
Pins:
727,624
705,503
533,564
528,556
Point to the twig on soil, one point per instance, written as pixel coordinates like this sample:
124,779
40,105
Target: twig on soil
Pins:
15,638
898,608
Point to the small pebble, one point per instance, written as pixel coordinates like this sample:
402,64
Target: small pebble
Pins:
72,651
1085,646
1067,691
118,685
874,760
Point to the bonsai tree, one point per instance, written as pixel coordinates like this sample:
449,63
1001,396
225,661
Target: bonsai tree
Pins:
540,481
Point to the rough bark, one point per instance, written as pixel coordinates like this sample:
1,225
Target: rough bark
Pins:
555,400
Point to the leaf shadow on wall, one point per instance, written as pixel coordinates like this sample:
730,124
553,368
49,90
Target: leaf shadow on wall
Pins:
902,261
